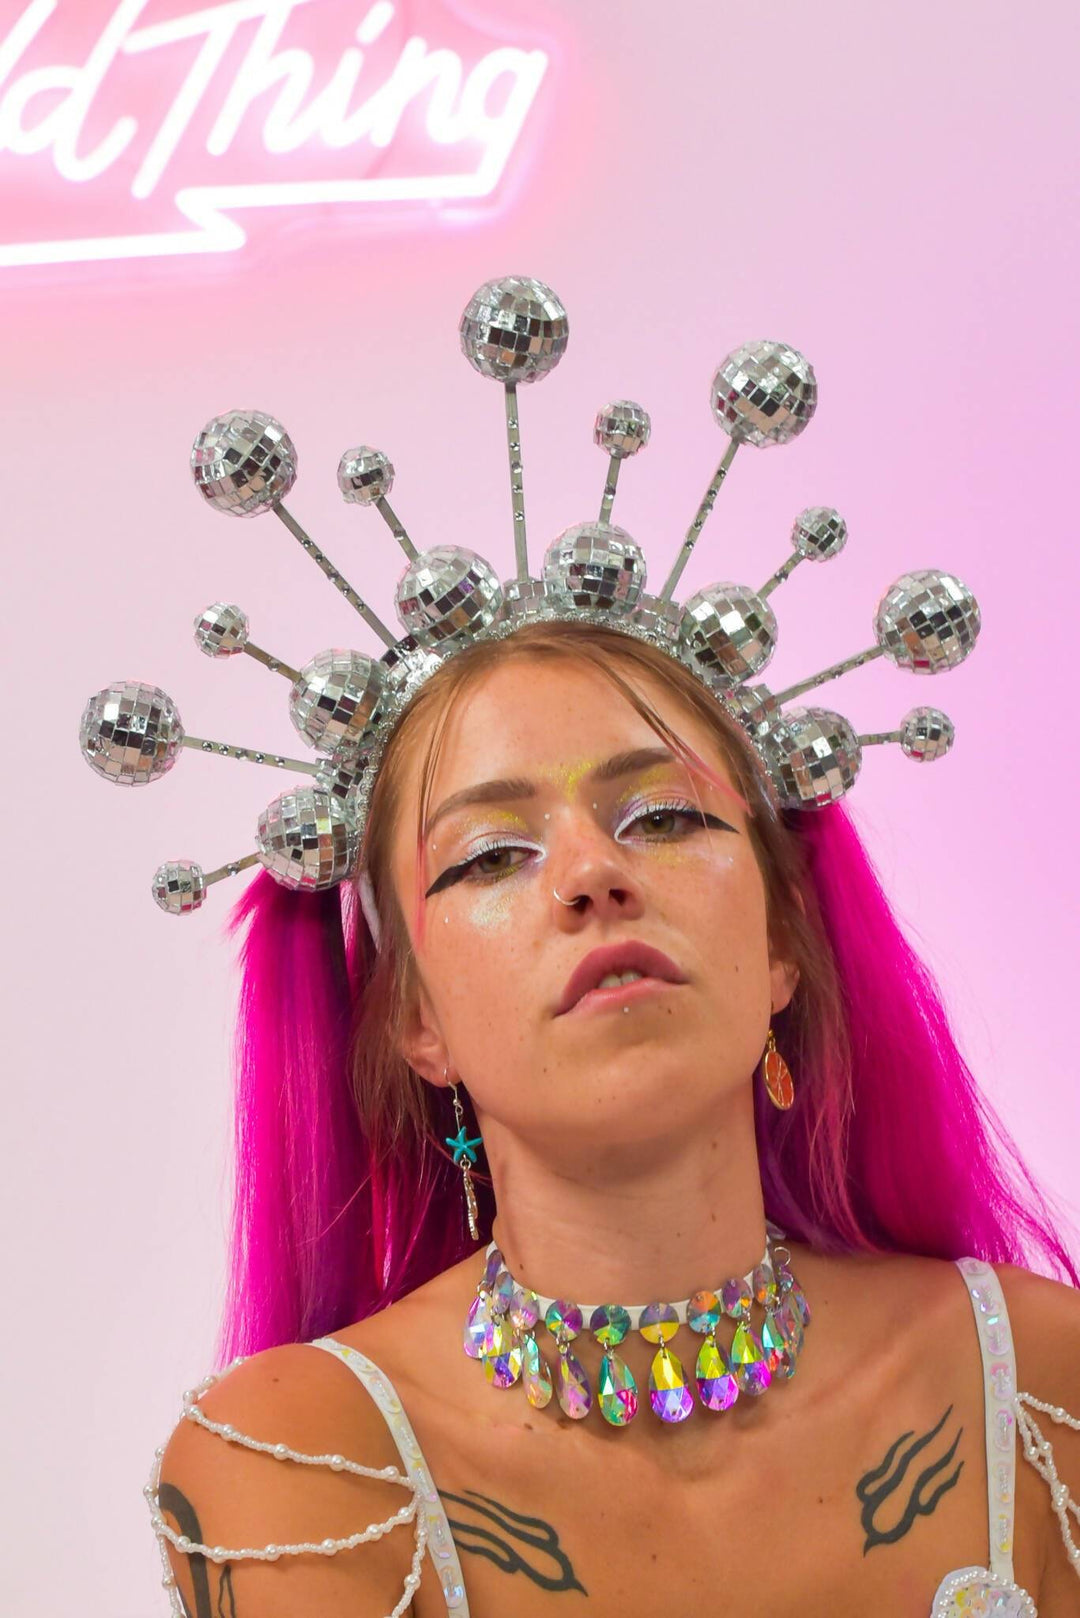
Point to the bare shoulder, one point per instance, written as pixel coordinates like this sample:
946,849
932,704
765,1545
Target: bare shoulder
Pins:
223,1493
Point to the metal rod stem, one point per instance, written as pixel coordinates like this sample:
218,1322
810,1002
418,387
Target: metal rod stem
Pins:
517,486
251,756
782,572
878,736
830,673
230,869
393,522
274,664
698,523
335,577
614,463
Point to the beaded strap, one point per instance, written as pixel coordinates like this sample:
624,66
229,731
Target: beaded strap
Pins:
1040,1452
440,1541
272,1552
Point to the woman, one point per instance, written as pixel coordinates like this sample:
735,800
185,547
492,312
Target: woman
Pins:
629,1149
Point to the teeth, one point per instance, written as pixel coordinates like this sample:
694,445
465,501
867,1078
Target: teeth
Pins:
614,979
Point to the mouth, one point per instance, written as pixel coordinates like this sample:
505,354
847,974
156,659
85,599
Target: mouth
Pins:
618,974
618,994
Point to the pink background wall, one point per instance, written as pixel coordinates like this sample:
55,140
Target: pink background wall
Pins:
888,189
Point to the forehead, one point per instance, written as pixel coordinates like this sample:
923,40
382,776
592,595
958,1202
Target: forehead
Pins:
552,721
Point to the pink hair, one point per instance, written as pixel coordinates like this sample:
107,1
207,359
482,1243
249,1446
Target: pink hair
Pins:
898,1151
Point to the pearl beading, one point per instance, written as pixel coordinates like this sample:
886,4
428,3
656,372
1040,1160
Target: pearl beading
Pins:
1040,1452
272,1552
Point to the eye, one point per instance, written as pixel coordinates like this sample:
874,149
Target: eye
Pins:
483,866
674,810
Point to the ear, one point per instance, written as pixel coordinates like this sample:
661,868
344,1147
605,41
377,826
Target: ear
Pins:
422,1043
783,973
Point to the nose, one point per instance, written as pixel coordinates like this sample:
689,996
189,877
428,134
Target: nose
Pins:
592,878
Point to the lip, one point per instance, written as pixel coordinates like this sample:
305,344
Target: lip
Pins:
630,956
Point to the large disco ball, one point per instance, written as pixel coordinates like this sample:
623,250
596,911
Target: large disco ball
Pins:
131,733
307,839
764,393
595,564
927,622
514,329
336,698
813,755
448,594
727,632
243,462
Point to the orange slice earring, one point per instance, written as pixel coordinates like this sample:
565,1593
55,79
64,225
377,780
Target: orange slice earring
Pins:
777,1076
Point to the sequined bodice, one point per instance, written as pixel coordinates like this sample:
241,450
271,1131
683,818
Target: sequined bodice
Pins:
967,1592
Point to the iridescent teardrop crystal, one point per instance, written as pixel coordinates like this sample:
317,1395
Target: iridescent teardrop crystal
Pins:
616,1390
735,1298
535,1374
524,1308
717,1387
748,1360
669,1395
502,1292
800,1301
773,1342
503,1370
764,1283
477,1324
492,1268
572,1386
498,1337
792,1327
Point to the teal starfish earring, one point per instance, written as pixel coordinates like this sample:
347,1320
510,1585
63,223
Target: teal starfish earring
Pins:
464,1151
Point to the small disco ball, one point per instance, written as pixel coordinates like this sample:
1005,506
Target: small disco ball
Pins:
926,734
243,462
307,840
755,708
813,756
221,630
764,393
514,329
819,534
622,428
336,698
131,733
365,475
927,622
595,564
178,887
728,632
448,594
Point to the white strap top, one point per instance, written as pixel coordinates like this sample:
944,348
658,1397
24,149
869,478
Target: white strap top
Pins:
962,1592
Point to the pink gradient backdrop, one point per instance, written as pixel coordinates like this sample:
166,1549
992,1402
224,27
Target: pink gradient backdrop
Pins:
888,189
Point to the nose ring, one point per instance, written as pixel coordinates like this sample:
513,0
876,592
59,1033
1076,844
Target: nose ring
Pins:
561,900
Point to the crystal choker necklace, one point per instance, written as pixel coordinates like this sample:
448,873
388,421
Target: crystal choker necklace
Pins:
504,1316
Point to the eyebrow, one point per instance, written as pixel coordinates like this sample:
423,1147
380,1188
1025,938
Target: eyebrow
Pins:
520,786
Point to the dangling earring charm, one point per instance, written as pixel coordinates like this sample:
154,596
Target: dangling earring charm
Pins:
464,1151
777,1076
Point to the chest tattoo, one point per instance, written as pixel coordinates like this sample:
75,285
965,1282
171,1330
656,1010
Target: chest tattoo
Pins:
890,1500
514,1542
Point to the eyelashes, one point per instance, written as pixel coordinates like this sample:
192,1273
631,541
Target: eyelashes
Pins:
692,818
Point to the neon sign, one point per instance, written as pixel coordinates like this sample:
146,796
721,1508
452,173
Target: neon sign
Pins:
229,88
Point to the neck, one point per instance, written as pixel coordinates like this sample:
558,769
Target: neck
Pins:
656,1221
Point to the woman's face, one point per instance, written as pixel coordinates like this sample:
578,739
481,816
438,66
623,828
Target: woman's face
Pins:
626,838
